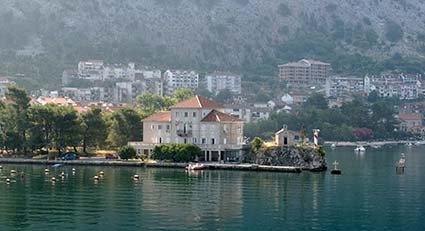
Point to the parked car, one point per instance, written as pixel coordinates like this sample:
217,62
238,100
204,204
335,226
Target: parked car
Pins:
111,157
70,156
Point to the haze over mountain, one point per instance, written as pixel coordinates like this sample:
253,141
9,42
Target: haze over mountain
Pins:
215,34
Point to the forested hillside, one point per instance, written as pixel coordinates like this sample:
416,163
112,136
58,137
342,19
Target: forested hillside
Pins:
39,38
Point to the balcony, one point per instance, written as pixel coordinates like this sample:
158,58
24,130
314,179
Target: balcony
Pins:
183,133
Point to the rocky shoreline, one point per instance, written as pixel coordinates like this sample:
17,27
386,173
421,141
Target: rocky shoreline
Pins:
305,158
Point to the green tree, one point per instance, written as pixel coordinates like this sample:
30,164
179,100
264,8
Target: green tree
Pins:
19,102
41,120
316,100
183,94
125,125
67,128
151,103
256,144
176,152
224,96
94,128
127,152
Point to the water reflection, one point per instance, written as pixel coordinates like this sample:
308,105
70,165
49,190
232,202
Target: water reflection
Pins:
367,195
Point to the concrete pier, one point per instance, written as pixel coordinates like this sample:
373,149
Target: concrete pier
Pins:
130,163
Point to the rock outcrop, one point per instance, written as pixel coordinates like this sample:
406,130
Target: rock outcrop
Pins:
305,157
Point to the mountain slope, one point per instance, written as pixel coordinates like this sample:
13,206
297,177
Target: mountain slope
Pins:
225,34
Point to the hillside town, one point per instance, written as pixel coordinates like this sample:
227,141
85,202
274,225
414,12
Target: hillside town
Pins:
113,86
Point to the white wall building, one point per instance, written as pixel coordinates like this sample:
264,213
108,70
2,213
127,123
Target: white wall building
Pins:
339,86
180,79
198,121
404,87
91,69
219,81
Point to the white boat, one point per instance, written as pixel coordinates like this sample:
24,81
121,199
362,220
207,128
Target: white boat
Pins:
195,167
359,149
333,145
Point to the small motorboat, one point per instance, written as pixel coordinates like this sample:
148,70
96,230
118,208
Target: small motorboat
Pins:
57,165
359,149
195,167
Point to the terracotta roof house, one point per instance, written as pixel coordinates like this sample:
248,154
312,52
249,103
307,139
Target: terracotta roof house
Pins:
410,122
198,121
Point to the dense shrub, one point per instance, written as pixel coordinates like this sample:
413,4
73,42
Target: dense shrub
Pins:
176,152
127,152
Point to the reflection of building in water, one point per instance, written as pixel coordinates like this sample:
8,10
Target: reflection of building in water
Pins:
198,200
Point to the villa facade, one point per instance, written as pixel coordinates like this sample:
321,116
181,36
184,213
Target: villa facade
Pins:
198,121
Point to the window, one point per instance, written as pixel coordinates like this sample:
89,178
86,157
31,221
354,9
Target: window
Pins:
186,114
204,141
168,127
194,141
177,113
152,127
194,114
224,141
296,138
159,127
160,140
212,141
185,141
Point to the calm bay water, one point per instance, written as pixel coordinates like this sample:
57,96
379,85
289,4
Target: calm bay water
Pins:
368,196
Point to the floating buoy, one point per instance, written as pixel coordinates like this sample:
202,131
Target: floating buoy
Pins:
101,173
46,170
53,179
336,171
136,177
62,174
96,178
8,180
1,167
73,169
13,171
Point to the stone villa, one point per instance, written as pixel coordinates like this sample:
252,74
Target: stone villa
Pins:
199,121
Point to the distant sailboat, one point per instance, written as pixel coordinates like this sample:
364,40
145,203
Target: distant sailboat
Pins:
359,149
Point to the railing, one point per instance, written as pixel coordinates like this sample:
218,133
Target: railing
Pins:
183,133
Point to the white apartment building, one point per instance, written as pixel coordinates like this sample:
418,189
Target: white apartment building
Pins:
219,81
180,79
198,121
404,87
339,86
91,69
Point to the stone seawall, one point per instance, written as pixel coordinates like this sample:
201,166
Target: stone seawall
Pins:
119,163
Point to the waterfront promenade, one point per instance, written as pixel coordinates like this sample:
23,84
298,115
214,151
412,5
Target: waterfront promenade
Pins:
137,163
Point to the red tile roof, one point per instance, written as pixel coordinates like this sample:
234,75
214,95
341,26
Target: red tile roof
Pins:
216,116
410,117
163,116
198,102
